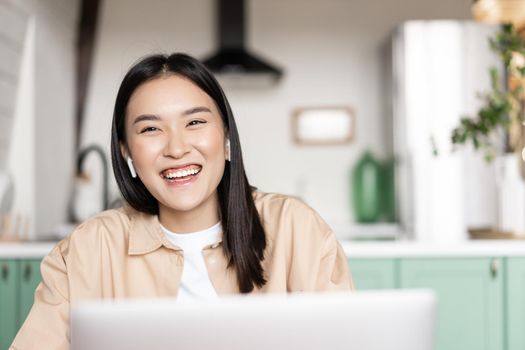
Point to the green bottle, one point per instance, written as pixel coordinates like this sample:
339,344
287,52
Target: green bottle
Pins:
366,187
388,195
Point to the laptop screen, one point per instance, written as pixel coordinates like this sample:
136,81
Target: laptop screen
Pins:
379,320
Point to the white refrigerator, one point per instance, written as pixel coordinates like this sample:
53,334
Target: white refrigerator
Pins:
439,68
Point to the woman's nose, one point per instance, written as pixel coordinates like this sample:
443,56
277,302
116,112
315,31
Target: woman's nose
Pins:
177,145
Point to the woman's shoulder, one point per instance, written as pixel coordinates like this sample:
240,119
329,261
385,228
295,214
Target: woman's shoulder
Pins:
113,220
108,226
279,202
291,214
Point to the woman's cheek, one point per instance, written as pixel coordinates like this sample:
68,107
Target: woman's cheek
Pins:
211,143
146,149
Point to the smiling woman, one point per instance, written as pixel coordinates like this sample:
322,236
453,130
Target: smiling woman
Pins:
161,125
193,228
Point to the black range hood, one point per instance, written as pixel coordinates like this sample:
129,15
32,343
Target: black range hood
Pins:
232,58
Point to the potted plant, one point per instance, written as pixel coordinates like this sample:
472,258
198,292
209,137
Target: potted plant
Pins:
503,109
501,121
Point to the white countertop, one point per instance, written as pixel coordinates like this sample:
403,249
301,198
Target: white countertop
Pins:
353,249
407,249
25,250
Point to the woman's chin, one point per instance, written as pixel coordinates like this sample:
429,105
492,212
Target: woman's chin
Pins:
180,207
184,204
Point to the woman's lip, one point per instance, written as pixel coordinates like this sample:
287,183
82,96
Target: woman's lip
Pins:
182,182
180,167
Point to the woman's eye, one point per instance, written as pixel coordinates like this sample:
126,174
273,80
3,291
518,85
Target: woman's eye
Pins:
148,129
196,122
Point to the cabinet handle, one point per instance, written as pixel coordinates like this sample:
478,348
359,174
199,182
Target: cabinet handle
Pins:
494,267
28,271
5,271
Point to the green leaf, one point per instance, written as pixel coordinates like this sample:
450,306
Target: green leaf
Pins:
499,105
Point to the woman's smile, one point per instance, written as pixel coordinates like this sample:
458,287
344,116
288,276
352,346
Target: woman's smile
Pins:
183,175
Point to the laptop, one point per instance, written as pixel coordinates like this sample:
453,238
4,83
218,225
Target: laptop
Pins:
373,320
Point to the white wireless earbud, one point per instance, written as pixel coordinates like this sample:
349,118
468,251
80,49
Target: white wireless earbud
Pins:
228,153
131,168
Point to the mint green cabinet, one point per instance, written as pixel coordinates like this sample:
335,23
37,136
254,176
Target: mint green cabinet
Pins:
18,280
374,273
8,302
515,294
470,314
29,280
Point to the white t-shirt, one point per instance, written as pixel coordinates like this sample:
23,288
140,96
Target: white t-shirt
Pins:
195,282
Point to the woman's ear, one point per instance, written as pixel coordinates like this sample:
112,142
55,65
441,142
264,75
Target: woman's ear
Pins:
124,151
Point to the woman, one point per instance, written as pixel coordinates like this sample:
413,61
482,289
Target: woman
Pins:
194,227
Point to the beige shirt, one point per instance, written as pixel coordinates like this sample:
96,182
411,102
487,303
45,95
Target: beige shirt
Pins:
124,254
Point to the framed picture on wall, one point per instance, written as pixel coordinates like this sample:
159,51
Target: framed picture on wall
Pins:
332,125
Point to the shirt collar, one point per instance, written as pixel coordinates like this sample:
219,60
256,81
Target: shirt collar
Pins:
146,236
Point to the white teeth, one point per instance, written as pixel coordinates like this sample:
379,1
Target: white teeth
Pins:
182,173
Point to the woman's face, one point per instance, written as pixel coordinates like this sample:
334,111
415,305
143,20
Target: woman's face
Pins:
176,139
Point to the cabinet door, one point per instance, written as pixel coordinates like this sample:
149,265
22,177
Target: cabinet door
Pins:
515,293
374,273
470,299
29,280
8,302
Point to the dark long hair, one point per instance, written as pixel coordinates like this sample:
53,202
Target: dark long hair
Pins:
244,239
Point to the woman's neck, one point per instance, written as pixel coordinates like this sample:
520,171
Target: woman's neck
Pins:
196,219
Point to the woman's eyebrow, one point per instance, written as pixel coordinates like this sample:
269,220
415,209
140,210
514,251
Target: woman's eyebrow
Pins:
196,110
145,117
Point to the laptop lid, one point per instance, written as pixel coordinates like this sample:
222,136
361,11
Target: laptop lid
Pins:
378,320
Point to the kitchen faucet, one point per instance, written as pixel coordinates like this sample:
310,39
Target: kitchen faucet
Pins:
81,157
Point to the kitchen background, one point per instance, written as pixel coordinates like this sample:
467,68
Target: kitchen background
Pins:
333,53
409,69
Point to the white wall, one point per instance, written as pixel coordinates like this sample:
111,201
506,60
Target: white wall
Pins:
41,152
21,162
54,109
13,24
333,53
